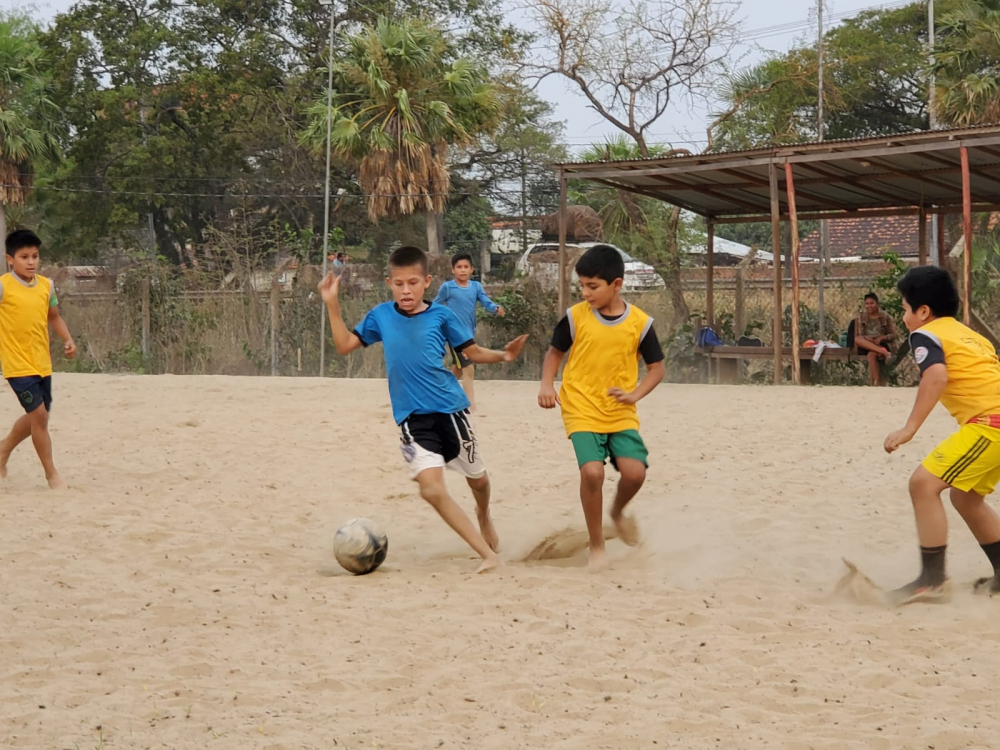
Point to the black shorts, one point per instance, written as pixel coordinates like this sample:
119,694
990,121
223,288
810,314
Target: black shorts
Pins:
430,441
33,391
459,359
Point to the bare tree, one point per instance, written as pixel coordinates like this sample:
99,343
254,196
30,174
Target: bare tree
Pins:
630,63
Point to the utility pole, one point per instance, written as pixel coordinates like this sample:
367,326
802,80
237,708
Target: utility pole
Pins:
326,189
931,113
824,227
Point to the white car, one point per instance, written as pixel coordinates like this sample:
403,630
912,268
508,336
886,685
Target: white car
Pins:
541,262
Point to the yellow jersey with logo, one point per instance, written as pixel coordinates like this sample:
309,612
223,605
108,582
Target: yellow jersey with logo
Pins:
24,325
604,354
972,394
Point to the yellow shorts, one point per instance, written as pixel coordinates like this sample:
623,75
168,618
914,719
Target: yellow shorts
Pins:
969,460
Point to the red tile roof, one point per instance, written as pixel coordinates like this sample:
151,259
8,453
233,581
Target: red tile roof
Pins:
867,238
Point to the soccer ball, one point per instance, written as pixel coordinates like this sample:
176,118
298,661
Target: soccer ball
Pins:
360,546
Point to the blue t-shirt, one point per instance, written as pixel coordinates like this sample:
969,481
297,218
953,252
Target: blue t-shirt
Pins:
414,347
462,301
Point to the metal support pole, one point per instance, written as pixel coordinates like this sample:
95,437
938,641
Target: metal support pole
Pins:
563,274
922,235
967,230
794,221
772,170
710,288
326,196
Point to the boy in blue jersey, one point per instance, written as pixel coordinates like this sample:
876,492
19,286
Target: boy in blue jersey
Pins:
431,410
461,295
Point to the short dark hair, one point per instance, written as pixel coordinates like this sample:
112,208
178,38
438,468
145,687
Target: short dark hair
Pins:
406,256
931,286
601,262
20,239
460,256
872,296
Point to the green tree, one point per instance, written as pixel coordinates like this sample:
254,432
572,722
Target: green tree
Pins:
402,101
967,64
30,121
875,82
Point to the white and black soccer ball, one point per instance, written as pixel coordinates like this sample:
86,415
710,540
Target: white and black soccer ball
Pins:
360,546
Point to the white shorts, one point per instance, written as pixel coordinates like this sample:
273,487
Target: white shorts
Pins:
431,441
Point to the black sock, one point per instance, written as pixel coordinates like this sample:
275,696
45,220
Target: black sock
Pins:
933,565
993,553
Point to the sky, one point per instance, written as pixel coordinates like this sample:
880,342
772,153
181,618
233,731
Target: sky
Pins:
766,26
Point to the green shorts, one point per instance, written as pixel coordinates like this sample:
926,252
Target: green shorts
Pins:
596,446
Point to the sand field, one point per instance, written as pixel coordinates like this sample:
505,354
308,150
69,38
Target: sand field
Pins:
182,593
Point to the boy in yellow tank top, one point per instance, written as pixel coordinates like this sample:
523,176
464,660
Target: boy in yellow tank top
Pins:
605,336
28,306
959,368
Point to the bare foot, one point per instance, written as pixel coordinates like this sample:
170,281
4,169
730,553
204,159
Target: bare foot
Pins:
489,563
597,561
488,530
56,482
4,457
628,532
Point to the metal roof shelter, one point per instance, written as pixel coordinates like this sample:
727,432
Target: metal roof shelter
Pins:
921,173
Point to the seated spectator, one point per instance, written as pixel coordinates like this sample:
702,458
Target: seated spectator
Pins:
875,335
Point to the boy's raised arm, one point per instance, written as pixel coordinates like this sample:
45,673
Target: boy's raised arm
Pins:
344,339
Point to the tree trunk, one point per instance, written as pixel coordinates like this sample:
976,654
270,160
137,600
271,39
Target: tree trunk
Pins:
3,223
434,245
673,268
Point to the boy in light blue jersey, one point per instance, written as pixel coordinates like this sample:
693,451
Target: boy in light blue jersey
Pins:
427,404
461,295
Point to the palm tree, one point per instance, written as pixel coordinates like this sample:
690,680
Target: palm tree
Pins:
29,119
402,100
967,64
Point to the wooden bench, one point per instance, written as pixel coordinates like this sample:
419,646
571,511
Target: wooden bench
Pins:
727,359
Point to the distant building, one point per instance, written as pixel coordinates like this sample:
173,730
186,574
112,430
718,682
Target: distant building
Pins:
867,239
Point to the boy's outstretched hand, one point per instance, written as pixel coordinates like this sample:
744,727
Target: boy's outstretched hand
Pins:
500,311
897,438
513,350
329,287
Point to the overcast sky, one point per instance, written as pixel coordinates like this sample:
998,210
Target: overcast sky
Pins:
684,123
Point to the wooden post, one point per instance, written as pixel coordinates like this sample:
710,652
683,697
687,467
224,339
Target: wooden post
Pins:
485,261
145,318
740,313
922,235
276,324
794,221
710,288
563,275
967,229
772,171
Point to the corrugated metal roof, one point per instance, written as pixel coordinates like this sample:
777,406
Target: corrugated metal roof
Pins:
892,173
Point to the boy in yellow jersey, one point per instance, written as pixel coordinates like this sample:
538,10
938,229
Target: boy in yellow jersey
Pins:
28,306
959,368
605,336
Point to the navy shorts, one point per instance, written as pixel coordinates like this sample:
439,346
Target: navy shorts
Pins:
33,391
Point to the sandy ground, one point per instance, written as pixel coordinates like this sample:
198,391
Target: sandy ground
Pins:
183,593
